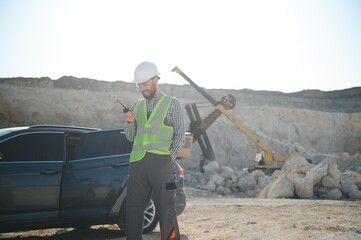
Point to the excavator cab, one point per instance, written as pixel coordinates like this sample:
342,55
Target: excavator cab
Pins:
186,150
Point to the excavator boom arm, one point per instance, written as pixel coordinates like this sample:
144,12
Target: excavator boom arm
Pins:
228,102
243,129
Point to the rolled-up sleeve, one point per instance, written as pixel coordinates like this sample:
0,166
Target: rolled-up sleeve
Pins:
177,121
130,128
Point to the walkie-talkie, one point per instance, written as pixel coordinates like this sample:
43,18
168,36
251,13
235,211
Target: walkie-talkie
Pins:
125,109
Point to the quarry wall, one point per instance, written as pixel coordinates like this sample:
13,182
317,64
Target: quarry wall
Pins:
311,122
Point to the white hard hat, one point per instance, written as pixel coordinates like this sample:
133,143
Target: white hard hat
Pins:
145,71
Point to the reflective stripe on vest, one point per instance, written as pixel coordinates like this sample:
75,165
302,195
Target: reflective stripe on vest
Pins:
152,134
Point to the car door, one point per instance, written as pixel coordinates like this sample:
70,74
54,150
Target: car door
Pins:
30,176
95,175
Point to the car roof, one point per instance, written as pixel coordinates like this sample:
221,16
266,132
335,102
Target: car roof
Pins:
40,128
61,128
4,131
64,128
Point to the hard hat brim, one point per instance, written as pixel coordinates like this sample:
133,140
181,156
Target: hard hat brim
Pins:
144,79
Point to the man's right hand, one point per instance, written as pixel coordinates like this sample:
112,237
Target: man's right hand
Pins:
129,116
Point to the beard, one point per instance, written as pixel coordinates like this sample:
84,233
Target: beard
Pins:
149,94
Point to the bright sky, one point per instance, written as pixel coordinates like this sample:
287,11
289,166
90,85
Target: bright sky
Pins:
274,45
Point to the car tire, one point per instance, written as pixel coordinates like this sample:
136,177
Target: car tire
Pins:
150,218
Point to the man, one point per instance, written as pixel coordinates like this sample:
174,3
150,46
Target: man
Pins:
156,126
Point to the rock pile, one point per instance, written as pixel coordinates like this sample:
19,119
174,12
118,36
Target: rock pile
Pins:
298,178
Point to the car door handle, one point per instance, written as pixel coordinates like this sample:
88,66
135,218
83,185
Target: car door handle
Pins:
121,164
49,172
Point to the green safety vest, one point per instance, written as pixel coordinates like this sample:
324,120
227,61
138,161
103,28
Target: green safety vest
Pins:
152,134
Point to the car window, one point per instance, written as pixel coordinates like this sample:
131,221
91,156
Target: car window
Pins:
102,143
72,141
33,147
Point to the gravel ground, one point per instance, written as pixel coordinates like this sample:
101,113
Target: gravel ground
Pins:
210,216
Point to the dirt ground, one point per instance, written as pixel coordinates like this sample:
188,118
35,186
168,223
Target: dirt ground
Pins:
213,217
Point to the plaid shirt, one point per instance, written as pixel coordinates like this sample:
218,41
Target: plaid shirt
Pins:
173,118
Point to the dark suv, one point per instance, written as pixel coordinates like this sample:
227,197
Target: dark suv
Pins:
63,176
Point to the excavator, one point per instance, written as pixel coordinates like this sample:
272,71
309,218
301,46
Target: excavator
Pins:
264,160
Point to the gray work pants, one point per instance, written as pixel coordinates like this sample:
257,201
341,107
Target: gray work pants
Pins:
146,177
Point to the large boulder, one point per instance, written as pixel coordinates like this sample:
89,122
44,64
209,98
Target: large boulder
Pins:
246,181
350,188
354,177
211,168
297,164
304,187
283,187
